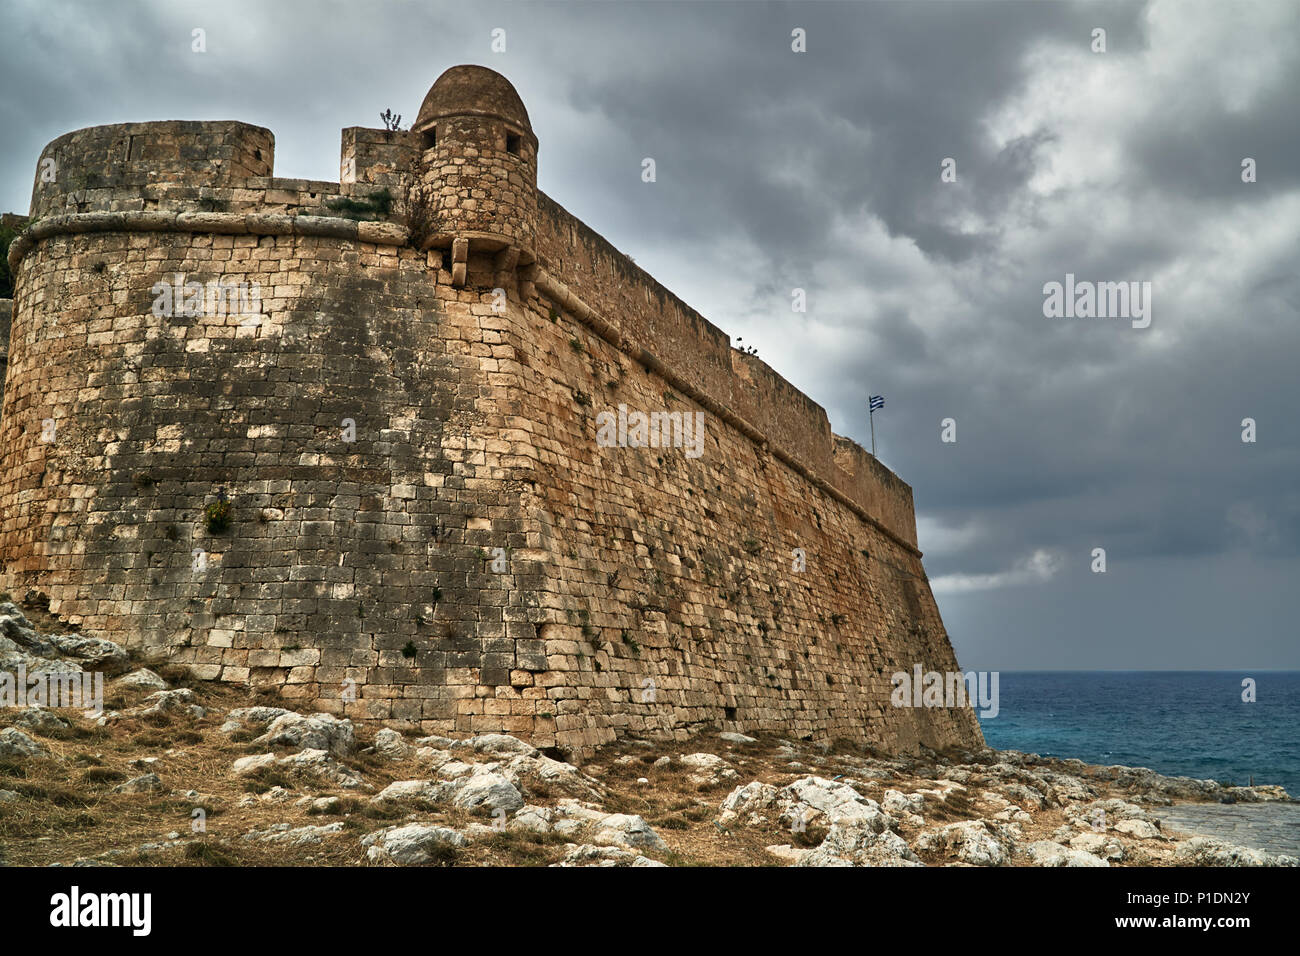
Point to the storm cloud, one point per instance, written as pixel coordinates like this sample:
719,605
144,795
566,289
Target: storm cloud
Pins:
820,170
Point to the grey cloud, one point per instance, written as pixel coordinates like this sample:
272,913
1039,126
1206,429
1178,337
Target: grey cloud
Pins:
821,170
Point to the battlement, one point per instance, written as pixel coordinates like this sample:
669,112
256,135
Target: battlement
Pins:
110,168
413,383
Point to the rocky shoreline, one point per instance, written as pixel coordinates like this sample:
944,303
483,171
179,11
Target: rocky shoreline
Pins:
181,772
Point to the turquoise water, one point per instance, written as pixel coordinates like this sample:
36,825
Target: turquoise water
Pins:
1180,723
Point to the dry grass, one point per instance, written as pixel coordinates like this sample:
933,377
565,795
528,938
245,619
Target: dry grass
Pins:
67,808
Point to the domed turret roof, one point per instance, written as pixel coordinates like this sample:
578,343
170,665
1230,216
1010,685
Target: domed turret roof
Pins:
473,90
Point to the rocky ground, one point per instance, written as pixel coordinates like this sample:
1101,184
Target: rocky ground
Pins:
177,772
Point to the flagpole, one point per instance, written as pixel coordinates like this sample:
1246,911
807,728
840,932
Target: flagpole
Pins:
871,414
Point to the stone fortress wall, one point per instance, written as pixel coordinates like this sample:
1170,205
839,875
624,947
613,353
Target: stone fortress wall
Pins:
418,387
6,314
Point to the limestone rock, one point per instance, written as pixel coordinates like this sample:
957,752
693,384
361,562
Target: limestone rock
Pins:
92,653
433,758
310,764
13,656
836,801
576,810
975,842
1139,829
588,855
900,804
496,744
802,802
552,778
1064,789
143,679
15,743
288,835
1024,795
146,783
1013,815
255,716
1113,809
1147,783
411,844
624,829
315,732
1047,853
487,791
17,636
389,743
1205,851
455,769
735,738
853,842
568,827
11,612
786,852
749,805
1258,794
318,764
532,819
708,770
34,718
418,793
571,817
873,771
180,701
1098,844
246,766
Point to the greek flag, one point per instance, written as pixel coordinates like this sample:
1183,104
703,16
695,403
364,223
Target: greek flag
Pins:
877,401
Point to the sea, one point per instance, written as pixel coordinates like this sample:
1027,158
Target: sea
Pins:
1179,723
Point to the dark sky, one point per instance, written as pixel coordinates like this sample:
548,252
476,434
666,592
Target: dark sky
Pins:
821,170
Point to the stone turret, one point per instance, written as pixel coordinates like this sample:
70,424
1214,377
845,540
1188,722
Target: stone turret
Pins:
477,169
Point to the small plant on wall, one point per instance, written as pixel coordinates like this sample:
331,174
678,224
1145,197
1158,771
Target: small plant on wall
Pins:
217,514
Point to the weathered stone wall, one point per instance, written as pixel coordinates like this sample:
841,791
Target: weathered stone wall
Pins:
80,171
674,599
6,311
379,159
335,548
655,326
634,589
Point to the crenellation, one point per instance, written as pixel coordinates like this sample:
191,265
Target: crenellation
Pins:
91,169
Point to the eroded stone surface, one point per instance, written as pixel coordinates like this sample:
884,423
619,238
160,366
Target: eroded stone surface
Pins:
382,603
